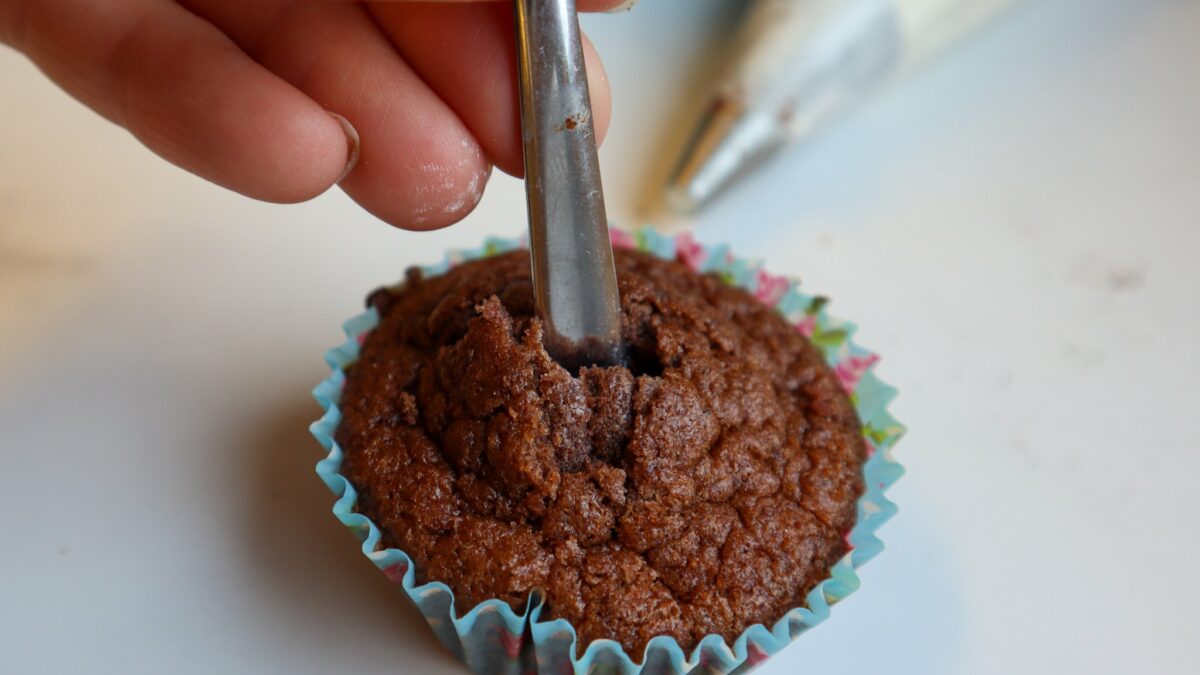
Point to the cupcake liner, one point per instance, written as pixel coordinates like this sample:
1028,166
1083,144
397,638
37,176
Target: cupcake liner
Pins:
492,638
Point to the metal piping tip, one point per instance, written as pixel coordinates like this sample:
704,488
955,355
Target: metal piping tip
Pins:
727,144
677,198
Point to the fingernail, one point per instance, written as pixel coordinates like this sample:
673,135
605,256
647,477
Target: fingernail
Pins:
353,145
624,6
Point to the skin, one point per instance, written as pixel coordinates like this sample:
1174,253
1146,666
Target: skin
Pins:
240,92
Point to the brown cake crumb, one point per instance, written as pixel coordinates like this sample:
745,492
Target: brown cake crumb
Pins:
706,488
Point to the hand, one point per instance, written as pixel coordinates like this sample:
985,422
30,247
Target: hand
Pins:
240,91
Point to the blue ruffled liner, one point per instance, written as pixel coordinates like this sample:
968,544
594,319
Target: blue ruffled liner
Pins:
492,638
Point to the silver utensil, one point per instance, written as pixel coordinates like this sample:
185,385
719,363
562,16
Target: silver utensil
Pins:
574,280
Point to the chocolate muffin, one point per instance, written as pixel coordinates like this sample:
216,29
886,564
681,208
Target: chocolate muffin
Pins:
705,487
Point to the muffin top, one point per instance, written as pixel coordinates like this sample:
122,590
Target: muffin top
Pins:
705,487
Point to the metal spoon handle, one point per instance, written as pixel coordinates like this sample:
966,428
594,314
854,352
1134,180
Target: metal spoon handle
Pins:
574,281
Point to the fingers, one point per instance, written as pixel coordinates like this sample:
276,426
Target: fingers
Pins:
187,92
466,52
581,5
184,88
419,167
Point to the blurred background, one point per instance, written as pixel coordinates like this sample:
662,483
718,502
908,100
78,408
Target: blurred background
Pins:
1014,228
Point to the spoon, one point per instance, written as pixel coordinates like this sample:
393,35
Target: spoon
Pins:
574,280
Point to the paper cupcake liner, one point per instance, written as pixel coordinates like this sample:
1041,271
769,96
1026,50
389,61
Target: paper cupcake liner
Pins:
492,638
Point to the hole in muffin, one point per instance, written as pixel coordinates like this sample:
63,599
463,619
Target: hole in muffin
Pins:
642,359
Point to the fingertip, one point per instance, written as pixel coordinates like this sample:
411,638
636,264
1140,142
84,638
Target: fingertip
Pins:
419,167
309,152
598,88
455,200
433,194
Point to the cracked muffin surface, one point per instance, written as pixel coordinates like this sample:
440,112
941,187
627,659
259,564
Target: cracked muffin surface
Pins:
705,487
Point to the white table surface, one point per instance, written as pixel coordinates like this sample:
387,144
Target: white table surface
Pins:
1015,230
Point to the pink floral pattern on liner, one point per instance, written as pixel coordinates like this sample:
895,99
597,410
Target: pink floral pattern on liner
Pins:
771,288
689,251
395,573
807,325
511,643
754,654
621,239
852,369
